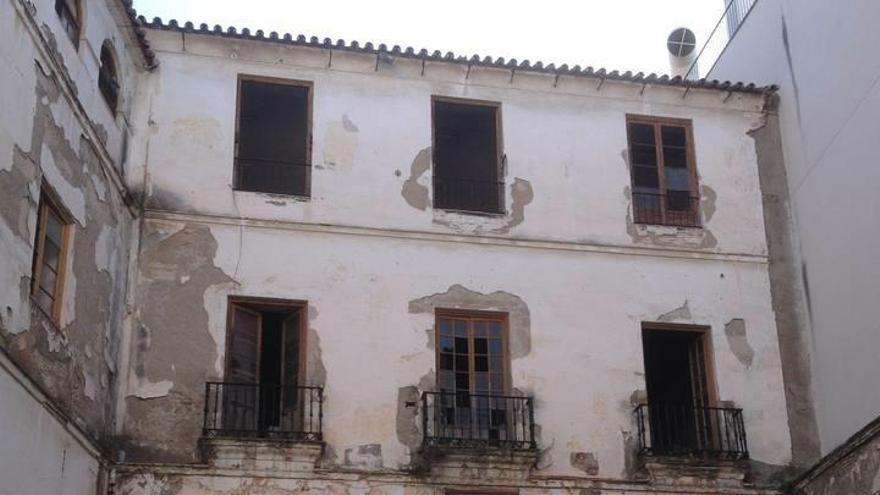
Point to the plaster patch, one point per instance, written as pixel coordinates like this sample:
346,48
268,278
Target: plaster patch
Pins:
585,461
90,388
71,196
407,425
459,297
415,192
681,313
364,456
340,144
708,197
145,389
735,330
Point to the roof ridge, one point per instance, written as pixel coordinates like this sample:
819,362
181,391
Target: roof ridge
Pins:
450,57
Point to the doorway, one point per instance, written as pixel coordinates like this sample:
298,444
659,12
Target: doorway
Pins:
263,365
680,391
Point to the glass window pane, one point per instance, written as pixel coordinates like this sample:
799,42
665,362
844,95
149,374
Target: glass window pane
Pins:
462,381
446,361
495,364
51,253
44,301
641,133
446,344
644,155
479,328
674,158
47,280
461,328
494,328
461,345
481,363
445,326
482,382
495,346
497,381
53,227
645,177
677,179
461,362
481,346
673,135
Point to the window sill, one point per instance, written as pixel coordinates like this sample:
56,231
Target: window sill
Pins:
295,197
668,225
476,213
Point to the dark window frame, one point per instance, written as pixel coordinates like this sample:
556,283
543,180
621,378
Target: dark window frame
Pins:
499,154
645,212
68,17
50,205
309,86
108,77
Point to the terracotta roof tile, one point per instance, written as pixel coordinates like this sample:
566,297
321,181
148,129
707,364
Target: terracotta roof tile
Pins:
449,57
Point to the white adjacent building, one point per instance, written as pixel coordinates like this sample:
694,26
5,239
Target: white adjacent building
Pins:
254,263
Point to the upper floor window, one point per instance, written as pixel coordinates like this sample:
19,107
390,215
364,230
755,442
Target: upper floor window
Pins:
664,179
70,15
50,255
467,155
273,137
108,77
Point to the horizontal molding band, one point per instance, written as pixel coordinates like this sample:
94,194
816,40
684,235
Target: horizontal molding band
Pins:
474,239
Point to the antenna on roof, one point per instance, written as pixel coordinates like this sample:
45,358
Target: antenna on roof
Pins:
682,46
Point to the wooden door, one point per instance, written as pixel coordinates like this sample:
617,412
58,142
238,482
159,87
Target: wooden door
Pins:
291,417
241,393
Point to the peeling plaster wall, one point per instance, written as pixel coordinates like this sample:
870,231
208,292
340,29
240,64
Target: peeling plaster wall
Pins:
56,129
564,178
372,302
828,128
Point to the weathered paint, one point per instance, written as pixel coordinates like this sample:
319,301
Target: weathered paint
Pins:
59,378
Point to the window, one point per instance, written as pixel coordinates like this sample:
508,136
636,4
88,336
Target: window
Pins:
682,416
262,393
50,255
664,179
69,13
273,137
108,77
467,156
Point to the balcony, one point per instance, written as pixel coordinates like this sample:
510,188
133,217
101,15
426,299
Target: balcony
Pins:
263,411
674,209
667,430
477,421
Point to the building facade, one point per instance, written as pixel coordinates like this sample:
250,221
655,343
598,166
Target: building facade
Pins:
275,265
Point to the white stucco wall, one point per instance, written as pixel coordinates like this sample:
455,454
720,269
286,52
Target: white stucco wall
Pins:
830,98
359,253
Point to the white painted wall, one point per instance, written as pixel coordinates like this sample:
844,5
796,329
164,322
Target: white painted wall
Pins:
359,253
830,100
40,454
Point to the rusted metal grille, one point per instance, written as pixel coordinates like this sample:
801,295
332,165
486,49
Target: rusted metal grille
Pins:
686,430
677,209
463,420
245,410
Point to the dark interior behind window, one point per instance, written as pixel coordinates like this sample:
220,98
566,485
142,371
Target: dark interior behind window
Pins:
272,152
466,157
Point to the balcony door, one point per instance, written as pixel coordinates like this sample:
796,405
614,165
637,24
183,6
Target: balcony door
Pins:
262,367
472,363
679,388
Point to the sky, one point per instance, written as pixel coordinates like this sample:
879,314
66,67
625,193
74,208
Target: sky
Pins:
615,34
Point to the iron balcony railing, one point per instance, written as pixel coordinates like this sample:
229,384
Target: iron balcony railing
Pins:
251,410
688,430
465,420
272,176
677,209
468,195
